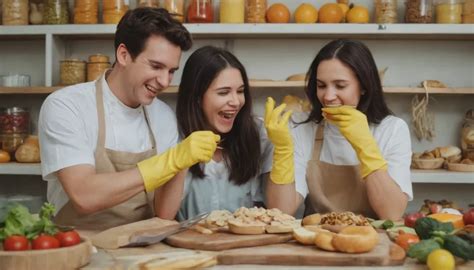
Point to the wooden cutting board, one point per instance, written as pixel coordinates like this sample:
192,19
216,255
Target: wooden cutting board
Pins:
222,240
297,254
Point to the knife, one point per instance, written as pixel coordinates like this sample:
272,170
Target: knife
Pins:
153,237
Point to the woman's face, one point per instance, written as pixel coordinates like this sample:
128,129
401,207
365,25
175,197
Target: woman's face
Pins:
223,100
337,84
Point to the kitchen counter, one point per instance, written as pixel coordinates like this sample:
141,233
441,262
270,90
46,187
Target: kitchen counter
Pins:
127,258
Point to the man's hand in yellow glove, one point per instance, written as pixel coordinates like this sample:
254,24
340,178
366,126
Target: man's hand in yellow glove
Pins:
276,124
197,147
354,126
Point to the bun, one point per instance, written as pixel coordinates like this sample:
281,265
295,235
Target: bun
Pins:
32,139
28,153
449,151
356,239
304,236
313,219
324,241
297,77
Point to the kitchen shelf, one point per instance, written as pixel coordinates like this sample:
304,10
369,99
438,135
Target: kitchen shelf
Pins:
418,176
290,85
291,30
20,168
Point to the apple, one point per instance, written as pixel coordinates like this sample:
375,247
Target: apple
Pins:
468,217
411,218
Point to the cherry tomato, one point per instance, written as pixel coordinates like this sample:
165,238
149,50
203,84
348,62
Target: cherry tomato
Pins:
469,217
15,243
69,238
45,242
406,239
411,218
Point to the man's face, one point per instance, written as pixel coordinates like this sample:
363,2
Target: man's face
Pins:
152,70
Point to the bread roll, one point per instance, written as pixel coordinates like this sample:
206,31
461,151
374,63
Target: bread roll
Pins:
28,153
241,228
297,77
304,236
32,139
449,151
356,239
313,219
324,241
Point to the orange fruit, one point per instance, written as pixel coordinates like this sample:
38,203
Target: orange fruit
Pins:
344,8
278,13
358,14
306,13
330,13
4,156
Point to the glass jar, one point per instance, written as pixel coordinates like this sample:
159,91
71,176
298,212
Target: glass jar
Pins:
175,8
15,12
113,11
86,11
448,11
232,11
468,11
72,71
148,3
386,11
419,11
200,11
14,120
97,64
255,11
56,12
11,142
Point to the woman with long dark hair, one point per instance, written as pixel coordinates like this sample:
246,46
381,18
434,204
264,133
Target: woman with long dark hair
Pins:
214,95
352,153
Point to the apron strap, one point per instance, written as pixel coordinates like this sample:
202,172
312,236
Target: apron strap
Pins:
318,141
100,112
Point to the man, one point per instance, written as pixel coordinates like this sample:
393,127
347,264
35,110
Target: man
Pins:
107,145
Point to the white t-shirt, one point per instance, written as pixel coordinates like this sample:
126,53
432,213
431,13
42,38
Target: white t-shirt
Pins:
392,136
216,192
68,130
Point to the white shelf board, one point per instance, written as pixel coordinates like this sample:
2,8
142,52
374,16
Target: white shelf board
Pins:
442,177
213,30
20,168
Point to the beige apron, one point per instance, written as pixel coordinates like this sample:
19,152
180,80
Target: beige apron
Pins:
334,188
137,208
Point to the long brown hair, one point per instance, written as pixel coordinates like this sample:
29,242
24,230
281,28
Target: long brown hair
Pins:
242,144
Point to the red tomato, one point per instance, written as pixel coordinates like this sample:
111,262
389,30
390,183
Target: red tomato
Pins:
469,217
406,239
69,238
15,243
45,242
410,219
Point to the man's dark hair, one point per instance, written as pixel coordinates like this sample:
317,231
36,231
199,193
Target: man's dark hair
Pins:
242,143
355,55
137,25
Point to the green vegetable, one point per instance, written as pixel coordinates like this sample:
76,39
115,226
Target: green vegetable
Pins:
387,224
459,247
427,227
44,224
18,221
421,250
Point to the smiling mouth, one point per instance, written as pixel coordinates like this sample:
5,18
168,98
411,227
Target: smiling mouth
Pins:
227,115
151,89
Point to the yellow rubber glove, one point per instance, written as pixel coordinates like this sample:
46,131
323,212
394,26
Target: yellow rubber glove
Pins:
197,147
354,126
276,124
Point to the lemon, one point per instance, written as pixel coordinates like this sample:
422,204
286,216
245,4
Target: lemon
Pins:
440,259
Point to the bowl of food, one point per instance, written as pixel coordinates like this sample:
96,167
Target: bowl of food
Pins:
428,164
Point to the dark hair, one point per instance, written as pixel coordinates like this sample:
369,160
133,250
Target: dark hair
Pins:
241,145
356,56
137,25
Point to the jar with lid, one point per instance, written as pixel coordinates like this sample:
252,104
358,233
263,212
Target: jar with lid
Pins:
72,71
15,12
97,64
113,11
418,11
86,11
386,11
148,3
448,11
255,11
200,11
56,12
11,142
232,11
14,120
175,8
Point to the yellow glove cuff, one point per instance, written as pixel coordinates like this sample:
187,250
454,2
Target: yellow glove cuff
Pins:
154,171
283,169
